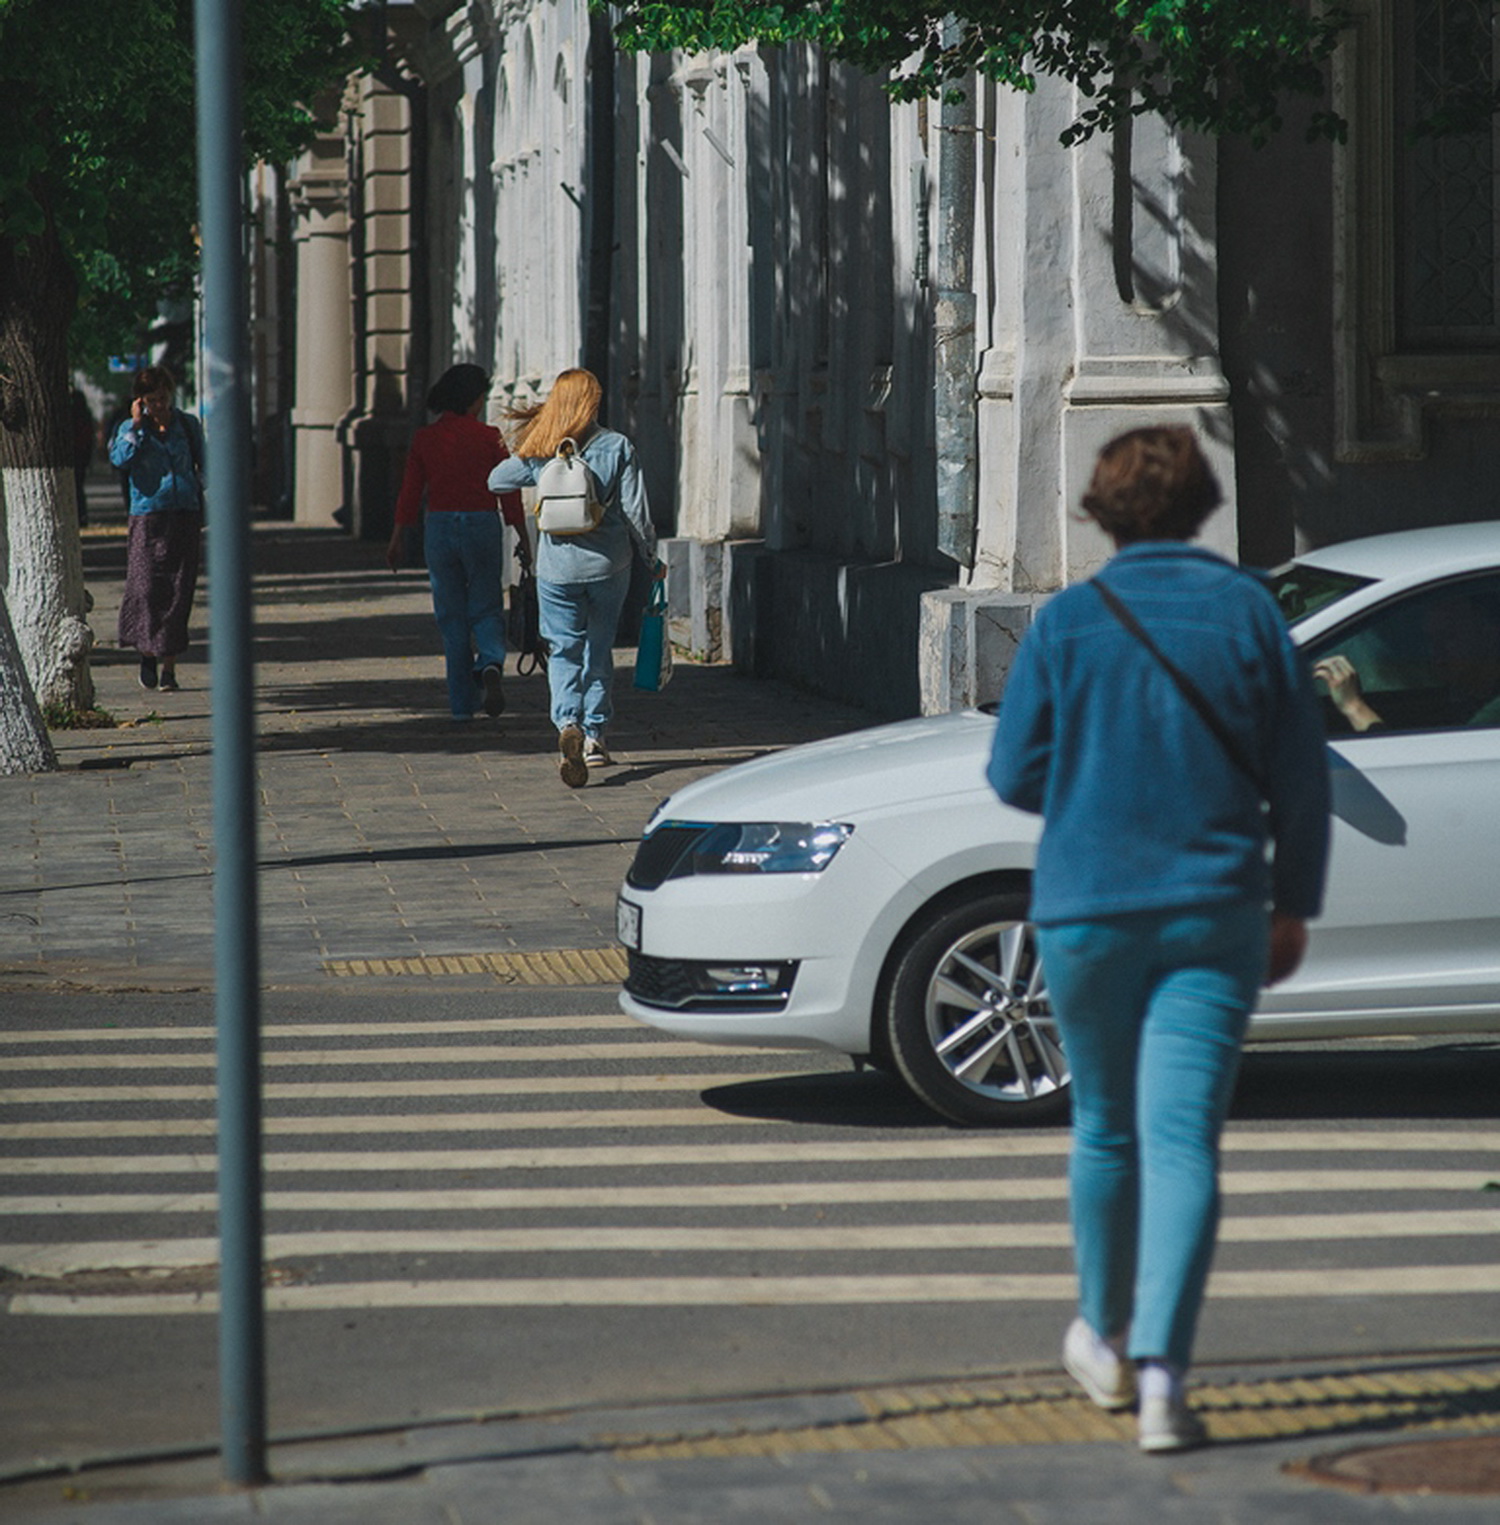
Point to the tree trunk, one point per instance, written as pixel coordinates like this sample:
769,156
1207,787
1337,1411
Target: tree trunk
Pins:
25,746
42,559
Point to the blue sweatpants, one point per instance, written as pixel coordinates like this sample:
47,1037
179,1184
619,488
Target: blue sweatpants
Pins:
1152,1008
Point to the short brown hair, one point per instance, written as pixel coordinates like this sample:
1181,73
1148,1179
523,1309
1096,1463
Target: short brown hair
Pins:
1152,484
152,379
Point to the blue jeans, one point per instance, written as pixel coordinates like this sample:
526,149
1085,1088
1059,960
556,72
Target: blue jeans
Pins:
578,622
1152,1008
464,568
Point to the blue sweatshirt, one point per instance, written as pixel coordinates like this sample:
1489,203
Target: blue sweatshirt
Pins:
164,469
1142,808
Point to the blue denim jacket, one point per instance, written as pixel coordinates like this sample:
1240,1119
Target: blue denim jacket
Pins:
164,470
1142,808
626,524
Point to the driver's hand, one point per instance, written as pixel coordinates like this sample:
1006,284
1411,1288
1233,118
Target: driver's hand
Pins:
1338,673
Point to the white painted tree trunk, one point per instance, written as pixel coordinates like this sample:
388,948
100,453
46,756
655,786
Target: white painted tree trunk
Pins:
25,746
44,583
43,563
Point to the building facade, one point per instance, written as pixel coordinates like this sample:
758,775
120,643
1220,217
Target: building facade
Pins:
868,351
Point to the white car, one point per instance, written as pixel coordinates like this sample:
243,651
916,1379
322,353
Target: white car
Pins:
868,894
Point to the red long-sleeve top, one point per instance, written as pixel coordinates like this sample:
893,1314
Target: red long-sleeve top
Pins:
450,461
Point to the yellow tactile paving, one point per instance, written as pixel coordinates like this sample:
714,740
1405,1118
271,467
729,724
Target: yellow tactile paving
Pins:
555,966
927,1417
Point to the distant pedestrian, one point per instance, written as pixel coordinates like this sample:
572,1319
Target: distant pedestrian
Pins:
1158,914
582,579
159,448
462,537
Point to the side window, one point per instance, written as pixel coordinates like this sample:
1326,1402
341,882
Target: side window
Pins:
1427,662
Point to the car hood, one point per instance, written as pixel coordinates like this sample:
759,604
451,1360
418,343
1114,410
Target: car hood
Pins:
847,776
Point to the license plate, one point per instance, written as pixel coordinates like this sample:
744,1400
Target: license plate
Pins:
628,923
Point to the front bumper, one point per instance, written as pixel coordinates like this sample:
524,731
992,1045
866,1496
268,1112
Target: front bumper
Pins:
780,960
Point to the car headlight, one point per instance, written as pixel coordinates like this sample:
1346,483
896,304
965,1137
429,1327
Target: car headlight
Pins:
674,849
767,847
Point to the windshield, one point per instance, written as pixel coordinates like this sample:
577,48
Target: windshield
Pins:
1302,590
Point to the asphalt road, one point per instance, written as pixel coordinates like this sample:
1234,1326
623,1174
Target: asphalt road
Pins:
484,1199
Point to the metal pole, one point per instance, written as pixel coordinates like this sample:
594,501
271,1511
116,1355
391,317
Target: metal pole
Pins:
242,1376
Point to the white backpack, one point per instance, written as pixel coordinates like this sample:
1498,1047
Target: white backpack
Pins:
567,500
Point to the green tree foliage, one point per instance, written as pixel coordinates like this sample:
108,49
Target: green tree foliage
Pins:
97,132
98,198
1222,66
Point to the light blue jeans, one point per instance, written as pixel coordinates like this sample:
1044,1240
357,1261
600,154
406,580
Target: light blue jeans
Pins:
578,622
463,552
1152,1008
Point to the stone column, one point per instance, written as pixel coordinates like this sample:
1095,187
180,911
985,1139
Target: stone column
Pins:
325,379
1103,316
391,255
1146,286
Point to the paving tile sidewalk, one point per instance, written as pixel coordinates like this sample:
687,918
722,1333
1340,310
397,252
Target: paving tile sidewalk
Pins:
386,830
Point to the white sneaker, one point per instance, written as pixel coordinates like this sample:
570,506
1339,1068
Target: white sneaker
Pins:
595,753
1097,1367
1168,1424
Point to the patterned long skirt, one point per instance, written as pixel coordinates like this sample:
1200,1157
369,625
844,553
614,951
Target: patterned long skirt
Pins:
161,576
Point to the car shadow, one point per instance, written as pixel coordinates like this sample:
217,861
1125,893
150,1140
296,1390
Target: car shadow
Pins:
1407,1080
831,1099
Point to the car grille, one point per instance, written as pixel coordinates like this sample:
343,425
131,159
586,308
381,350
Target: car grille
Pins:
660,853
688,985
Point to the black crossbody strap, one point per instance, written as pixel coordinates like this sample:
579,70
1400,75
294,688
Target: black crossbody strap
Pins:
1185,685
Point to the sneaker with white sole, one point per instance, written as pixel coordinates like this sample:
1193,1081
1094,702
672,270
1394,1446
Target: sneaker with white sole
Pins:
571,767
1097,1367
595,753
1166,1423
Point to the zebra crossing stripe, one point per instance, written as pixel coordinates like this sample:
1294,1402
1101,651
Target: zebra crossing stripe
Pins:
273,1031
994,1147
409,1122
341,1090
764,1291
729,1196
1237,1140
312,1058
62,1259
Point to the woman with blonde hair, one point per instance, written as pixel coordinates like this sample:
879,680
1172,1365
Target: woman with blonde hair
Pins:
582,578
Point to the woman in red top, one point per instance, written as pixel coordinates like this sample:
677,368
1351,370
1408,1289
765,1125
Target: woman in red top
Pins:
462,537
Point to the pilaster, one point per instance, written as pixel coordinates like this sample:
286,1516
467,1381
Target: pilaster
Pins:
319,192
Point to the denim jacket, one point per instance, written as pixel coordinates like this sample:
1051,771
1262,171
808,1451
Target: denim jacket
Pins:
165,471
1142,808
625,528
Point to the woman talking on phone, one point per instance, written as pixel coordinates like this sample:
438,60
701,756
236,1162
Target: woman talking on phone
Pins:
159,450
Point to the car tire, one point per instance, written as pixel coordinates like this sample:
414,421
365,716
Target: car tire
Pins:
966,1017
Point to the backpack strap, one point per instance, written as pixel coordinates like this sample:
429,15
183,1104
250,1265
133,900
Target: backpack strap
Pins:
194,431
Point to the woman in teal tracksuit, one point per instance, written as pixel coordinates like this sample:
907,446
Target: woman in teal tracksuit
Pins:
1158,913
